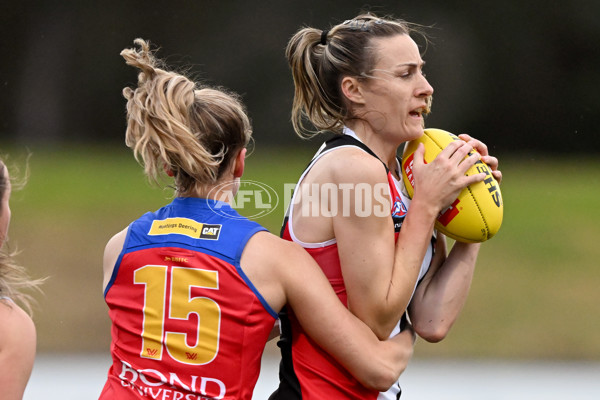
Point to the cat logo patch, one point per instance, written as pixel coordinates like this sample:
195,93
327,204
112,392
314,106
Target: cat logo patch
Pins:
185,226
210,232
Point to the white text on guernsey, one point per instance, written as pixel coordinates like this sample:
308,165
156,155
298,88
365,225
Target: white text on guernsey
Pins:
151,383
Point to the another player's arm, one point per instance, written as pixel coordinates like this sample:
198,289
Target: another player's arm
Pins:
283,273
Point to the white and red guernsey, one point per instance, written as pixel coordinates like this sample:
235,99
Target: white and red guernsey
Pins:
306,371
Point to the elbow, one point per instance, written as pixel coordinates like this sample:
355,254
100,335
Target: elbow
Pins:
432,333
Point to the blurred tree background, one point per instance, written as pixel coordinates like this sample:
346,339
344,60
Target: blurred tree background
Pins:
519,75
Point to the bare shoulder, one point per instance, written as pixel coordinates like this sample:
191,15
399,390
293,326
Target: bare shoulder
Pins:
17,337
266,261
111,254
17,329
17,349
267,249
268,257
116,242
351,164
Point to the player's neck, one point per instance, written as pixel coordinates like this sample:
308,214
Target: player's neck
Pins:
224,190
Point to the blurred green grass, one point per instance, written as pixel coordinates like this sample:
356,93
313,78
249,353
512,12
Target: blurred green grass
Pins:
535,292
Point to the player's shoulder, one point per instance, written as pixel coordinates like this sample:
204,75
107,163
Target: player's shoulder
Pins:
267,248
112,250
115,244
17,348
264,240
352,164
17,330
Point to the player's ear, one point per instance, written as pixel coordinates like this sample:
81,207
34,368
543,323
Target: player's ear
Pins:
168,171
352,89
239,163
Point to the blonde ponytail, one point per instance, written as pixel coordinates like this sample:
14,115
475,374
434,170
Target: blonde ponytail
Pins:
174,125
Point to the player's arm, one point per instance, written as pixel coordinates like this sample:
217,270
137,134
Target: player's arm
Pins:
441,295
283,273
111,254
443,292
17,350
380,273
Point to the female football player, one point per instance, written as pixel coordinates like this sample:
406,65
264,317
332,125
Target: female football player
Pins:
17,331
363,80
194,289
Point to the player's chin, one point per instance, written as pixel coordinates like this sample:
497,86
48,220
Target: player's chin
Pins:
414,130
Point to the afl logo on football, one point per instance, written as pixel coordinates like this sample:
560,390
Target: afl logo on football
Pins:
252,199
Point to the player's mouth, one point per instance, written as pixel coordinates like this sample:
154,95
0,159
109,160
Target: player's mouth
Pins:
417,113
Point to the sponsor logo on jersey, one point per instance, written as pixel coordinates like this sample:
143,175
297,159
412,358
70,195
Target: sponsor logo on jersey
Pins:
157,384
210,231
185,226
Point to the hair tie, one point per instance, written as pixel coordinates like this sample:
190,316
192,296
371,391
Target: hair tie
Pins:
324,37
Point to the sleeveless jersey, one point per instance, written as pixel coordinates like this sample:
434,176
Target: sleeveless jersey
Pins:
186,321
306,371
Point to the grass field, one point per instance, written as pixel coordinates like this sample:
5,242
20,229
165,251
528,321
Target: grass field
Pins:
535,293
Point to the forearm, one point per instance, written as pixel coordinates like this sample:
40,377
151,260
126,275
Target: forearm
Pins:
382,302
385,362
393,360
441,297
411,247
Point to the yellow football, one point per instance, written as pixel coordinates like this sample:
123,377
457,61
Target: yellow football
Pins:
476,215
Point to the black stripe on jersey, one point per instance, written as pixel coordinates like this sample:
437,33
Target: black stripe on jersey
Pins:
289,386
345,140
